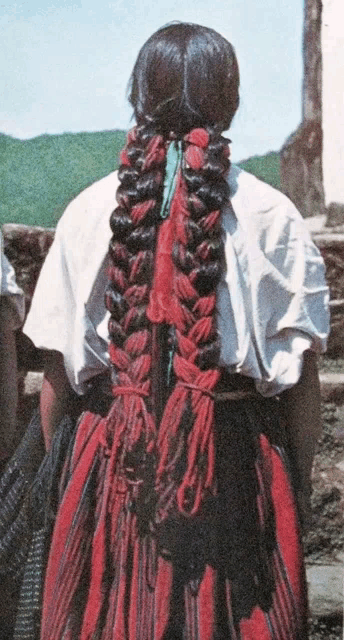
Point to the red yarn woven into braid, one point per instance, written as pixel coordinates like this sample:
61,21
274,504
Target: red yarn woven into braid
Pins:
130,423
174,299
170,288
164,300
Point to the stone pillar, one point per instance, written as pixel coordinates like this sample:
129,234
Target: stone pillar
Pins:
301,156
332,38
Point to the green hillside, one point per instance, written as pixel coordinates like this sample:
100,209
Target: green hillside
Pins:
265,167
39,177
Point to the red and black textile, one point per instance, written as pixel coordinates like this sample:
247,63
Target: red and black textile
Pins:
176,519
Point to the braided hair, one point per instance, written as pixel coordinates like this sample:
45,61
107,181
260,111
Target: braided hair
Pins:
184,87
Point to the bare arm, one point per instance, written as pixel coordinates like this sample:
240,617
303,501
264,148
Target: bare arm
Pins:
57,396
302,407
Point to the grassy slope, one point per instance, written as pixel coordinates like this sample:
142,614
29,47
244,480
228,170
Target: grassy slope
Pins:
39,177
265,167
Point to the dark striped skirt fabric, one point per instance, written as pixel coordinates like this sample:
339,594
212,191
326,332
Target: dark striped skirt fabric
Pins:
233,573
28,503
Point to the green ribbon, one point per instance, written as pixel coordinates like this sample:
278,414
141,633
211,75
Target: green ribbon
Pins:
173,163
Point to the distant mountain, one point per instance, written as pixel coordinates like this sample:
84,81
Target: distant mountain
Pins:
38,177
266,167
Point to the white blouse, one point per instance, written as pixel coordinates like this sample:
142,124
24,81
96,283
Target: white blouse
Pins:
272,301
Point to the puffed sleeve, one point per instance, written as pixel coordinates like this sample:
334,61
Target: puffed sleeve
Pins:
273,301
51,317
68,304
290,299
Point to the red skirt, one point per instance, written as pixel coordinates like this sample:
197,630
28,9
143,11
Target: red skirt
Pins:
107,581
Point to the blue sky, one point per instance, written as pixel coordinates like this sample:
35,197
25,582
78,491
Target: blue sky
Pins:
65,65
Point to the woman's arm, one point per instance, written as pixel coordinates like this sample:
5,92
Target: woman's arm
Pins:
302,409
57,396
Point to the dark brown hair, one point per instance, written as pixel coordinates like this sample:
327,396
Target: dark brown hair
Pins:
185,76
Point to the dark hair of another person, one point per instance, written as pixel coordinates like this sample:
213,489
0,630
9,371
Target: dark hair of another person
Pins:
184,86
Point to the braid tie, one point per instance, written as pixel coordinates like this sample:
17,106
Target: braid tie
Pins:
196,387
124,391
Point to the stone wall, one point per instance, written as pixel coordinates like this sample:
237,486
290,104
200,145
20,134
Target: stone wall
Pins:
26,248
331,246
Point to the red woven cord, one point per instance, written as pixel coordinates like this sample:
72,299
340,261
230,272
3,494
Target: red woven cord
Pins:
200,443
130,423
163,301
98,561
160,297
125,391
155,152
127,421
59,591
170,289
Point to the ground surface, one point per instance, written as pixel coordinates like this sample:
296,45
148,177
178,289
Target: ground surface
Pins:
324,543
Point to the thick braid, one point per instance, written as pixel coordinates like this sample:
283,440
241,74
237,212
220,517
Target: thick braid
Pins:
185,443
130,425
201,258
126,437
186,437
